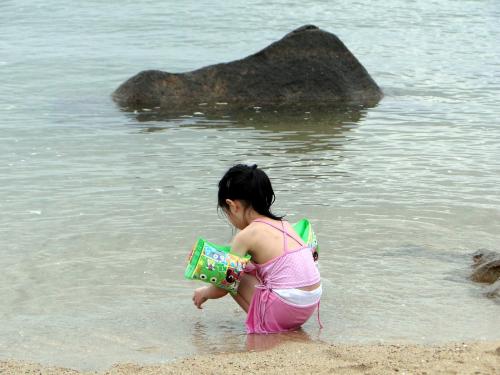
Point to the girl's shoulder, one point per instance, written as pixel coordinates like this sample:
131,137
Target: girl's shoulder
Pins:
244,239
252,231
249,231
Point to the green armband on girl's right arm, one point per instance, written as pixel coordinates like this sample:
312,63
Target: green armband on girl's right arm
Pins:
215,264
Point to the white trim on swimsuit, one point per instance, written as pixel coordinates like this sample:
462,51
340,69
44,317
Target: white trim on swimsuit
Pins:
300,297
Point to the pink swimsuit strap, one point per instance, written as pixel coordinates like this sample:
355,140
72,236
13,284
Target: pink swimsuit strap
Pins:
286,234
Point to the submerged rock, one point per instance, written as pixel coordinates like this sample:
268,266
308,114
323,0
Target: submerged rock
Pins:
493,290
486,266
308,66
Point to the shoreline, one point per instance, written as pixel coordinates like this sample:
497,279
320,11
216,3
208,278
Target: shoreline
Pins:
311,358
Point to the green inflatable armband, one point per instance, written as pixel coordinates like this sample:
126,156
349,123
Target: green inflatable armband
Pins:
216,264
305,231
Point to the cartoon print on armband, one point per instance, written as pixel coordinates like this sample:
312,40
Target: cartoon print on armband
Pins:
232,276
210,264
216,255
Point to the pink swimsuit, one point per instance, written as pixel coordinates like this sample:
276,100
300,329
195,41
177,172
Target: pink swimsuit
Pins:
268,312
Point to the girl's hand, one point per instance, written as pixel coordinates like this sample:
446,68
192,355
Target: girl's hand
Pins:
200,296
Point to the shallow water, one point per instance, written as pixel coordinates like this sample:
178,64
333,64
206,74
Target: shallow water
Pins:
100,207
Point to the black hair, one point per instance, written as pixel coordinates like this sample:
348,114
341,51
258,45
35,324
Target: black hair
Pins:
249,184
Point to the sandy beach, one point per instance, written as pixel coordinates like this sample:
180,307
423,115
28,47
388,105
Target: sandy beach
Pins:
313,358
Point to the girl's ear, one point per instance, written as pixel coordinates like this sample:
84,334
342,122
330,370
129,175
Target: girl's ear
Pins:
231,204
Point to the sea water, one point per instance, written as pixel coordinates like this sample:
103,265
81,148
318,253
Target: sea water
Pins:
100,207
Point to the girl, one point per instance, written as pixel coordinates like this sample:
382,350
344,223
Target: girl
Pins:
280,288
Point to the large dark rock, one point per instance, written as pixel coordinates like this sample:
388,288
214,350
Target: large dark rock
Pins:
308,67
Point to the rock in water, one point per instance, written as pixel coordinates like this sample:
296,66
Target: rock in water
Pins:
308,67
486,266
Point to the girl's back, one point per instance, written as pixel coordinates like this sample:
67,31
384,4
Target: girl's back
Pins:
267,242
280,257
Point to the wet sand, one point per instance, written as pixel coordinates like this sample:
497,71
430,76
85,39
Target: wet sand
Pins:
313,358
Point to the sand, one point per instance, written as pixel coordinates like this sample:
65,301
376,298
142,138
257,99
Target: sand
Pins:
313,358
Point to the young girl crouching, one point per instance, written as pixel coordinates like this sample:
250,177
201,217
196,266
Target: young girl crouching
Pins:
281,287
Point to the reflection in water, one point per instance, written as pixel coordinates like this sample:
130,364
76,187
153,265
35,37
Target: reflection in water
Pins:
206,339
295,131
259,342
225,340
